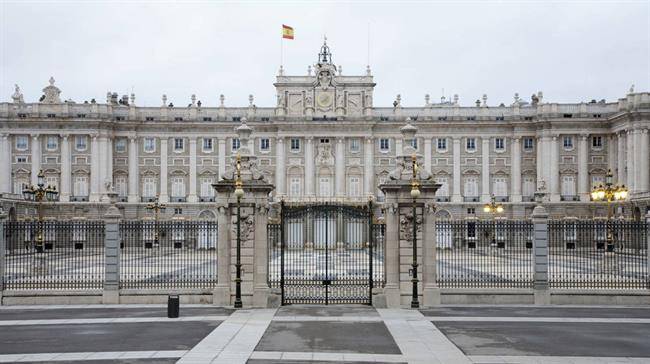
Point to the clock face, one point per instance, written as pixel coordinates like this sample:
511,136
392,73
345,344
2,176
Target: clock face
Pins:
324,100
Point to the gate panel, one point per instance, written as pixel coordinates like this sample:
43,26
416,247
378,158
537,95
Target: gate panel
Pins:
325,254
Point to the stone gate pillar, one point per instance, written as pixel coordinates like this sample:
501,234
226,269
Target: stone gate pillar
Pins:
399,228
254,207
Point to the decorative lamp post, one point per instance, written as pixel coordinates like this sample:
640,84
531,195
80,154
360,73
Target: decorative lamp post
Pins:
239,193
493,208
415,193
156,207
609,193
39,193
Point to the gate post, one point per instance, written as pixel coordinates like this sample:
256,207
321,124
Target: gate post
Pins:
111,292
540,256
647,238
3,247
430,290
261,288
221,292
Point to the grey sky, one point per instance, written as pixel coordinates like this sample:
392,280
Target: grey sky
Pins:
572,52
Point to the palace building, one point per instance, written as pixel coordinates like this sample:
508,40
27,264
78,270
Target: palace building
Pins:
324,140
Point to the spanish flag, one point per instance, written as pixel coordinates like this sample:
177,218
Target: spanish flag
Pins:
287,32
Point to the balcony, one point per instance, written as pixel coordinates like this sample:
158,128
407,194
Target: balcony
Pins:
528,198
148,199
206,199
471,198
569,198
442,199
502,198
78,198
178,199
122,199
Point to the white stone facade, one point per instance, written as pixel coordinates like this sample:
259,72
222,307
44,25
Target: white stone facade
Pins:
324,139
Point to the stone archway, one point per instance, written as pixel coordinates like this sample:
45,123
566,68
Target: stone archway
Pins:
207,215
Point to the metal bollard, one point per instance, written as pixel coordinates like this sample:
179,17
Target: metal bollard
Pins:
173,303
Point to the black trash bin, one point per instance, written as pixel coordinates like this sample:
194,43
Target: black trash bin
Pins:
173,303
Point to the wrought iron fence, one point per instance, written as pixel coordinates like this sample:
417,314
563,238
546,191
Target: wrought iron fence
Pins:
490,254
65,255
168,254
598,254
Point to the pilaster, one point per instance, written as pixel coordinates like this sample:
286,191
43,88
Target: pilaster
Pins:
644,162
515,173
456,196
134,174
6,164
369,167
280,169
309,166
94,169
340,167
192,197
221,156
583,168
427,154
554,174
630,162
485,170
66,166
621,158
163,196
36,159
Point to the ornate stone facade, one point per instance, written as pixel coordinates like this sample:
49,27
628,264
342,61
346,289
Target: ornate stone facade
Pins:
324,139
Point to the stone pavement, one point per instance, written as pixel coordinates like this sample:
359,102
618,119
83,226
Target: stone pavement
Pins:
324,334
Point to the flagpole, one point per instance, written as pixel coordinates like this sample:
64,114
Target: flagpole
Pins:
281,49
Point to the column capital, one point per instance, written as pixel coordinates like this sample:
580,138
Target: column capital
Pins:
456,140
279,140
370,139
644,131
94,136
34,136
133,138
309,139
584,136
192,139
516,139
64,136
5,135
221,140
340,140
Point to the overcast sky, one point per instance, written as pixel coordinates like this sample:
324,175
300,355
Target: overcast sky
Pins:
572,52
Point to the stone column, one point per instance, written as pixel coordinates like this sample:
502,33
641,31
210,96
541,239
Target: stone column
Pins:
280,168
6,164
644,162
94,170
485,171
3,247
554,175
515,176
309,166
583,168
540,247
399,146
456,196
102,162
109,161
192,197
612,153
134,173
260,255
621,156
221,294
36,158
430,290
340,167
630,161
369,167
66,169
221,155
427,154
647,259
163,196
539,161
111,293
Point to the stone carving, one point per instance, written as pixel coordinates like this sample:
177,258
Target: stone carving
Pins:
51,93
309,101
248,167
324,79
406,226
339,100
17,96
405,171
631,89
247,225
281,100
324,155
368,100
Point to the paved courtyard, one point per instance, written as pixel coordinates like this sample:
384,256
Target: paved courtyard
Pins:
324,334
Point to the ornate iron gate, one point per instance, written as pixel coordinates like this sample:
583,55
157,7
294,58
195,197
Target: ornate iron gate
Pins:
326,254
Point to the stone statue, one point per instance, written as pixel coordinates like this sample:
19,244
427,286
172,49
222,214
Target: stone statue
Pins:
339,100
368,100
534,100
396,174
631,89
324,155
309,102
51,93
281,102
17,96
324,79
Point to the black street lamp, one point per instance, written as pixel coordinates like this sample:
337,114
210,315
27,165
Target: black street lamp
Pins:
609,193
156,207
415,193
39,193
239,193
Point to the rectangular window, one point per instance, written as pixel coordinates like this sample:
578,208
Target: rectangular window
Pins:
149,187
19,186
207,144
178,187
295,144
52,181
21,142
149,145
235,144
442,143
597,141
499,144
120,186
354,187
384,145
500,187
295,186
567,142
120,145
471,187
52,142
80,142
355,145
528,188
528,143
265,144
324,187
471,144
597,181
568,186
443,191
179,144
80,187
21,159
206,187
